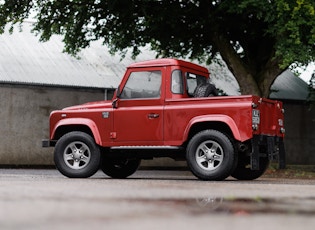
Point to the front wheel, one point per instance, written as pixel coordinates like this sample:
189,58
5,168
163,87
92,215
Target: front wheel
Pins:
76,155
210,155
119,168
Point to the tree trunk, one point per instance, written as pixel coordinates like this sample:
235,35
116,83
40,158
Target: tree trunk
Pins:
266,78
249,79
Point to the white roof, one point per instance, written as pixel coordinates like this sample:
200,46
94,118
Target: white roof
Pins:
25,60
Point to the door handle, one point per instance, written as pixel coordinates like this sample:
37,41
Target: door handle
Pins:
153,115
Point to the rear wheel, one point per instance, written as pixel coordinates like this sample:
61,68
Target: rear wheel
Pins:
119,168
76,155
243,170
210,155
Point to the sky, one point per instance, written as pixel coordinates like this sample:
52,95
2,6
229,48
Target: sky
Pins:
307,73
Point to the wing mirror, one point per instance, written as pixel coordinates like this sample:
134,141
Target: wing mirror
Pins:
115,101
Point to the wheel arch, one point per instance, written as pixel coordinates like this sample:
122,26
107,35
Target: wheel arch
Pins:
73,124
221,123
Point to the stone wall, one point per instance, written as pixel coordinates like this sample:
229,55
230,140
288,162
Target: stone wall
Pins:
24,120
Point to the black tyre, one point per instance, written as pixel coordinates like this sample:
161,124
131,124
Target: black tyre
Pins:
243,170
210,155
205,90
76,155
119,168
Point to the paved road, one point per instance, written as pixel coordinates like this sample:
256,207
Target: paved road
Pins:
44,199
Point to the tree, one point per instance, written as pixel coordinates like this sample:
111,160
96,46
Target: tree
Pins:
257,39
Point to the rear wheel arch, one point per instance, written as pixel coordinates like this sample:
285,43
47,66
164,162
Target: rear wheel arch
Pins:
214,125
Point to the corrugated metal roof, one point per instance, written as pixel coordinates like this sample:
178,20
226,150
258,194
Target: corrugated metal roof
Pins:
25,60
290,87
223,79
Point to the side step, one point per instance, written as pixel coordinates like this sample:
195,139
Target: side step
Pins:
147,152
150,147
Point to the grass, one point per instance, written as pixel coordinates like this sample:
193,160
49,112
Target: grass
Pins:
291,171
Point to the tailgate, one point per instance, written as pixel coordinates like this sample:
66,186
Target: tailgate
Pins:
267,117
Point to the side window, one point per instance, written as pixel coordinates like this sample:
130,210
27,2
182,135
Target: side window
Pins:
192,81
177,82
142,84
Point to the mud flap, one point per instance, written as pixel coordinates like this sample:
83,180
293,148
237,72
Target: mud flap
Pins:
282,163
273,148
254,157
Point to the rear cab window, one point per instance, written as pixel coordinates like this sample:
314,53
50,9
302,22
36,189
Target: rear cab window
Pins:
184,82
193,80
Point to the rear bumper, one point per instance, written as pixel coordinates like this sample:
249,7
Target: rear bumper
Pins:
267,146
48,143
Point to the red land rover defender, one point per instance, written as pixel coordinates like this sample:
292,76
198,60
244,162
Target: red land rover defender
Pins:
167,108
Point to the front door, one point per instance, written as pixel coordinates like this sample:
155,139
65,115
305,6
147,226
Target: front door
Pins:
138,118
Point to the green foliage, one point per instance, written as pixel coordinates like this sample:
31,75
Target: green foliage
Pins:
176,28
295,28
262,37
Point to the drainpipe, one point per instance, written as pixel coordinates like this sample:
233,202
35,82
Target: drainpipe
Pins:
105,96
